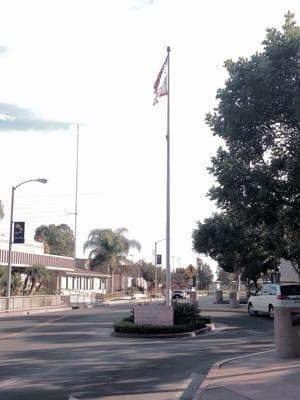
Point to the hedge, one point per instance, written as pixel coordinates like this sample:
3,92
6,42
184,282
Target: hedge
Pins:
129,327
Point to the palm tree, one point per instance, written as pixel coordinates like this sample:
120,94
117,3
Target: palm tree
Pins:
109,247
36,274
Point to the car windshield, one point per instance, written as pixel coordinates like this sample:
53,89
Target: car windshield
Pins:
290,290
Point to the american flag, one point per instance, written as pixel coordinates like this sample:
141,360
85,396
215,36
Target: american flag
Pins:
161,84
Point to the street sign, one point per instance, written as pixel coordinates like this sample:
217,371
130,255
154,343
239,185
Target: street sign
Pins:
19,232
190,271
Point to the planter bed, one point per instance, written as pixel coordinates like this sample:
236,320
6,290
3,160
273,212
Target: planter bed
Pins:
197,332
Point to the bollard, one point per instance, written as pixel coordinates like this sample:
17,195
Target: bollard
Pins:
193,298
219,296
233,300
287,331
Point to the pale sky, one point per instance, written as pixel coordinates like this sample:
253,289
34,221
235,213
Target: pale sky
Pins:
94,62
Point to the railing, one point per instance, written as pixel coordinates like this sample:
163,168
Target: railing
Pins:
78,296
17,303
85,298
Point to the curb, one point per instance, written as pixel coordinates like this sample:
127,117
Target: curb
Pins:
211,375
208,328
234,310
33,311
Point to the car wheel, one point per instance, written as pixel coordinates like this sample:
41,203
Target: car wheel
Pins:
271,311
251,310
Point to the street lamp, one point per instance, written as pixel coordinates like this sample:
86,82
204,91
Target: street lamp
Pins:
41,180
155,256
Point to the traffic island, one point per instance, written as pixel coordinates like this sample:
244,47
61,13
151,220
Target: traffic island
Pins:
197,332
181,319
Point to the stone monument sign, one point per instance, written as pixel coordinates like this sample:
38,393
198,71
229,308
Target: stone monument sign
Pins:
153,314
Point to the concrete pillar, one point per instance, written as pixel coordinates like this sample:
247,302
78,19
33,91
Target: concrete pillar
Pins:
193,298
233,300
287,331
219,296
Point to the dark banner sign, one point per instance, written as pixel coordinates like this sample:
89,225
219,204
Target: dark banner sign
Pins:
19,232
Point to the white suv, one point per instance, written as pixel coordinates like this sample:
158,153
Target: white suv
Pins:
179,294
274,294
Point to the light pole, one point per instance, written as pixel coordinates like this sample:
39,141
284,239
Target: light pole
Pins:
41,180
155,256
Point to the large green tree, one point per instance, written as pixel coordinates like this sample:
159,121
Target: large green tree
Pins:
257,170
204,275
235,246
57,239
147,270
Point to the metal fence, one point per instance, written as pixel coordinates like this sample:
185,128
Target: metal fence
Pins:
17,303
83,298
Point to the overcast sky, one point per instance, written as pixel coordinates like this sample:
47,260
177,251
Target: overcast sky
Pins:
94,63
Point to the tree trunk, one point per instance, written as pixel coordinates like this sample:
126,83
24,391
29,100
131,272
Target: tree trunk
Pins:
39,286
31,287
238,285
112,281
25,284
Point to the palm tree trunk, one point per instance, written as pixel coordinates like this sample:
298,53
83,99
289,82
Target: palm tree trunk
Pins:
25,284
39,286
112,281
238,285
31,287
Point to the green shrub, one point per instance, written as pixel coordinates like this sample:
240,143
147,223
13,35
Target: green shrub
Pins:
129,327
130,318
185,313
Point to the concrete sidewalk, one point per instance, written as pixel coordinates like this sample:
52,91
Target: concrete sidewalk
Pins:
260,376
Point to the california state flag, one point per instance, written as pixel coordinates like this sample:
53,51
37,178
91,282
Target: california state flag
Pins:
161,84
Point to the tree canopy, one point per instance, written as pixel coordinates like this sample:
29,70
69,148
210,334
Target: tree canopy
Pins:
257,170
109,247
204,275
57,239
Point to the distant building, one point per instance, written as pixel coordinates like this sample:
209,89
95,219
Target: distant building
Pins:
287,272
70,275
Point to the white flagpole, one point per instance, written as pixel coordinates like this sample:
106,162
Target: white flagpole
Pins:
168,269
76,192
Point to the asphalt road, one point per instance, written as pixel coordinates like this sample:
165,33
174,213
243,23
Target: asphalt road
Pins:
72,355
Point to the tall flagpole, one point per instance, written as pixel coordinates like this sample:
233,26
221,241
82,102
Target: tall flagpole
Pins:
168,269
76,192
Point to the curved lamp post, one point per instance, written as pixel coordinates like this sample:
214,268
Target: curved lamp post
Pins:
41,180
155,255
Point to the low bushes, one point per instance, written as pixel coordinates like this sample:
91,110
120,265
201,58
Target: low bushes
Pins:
130,327
185,313
186,319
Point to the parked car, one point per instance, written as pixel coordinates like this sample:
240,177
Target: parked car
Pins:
273,294
179,294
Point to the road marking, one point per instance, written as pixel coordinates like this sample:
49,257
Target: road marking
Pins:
36,326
